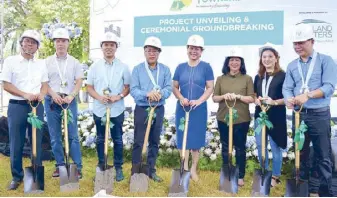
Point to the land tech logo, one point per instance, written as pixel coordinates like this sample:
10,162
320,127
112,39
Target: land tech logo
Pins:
178,5
323,30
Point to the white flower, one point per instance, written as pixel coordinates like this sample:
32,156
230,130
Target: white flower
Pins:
249,154
160,150
270,155
291,156
162,141
93,145
213,157
84,143
111,144
168,143
217,151
127,146
284,154
131,130
208,152
213,130
167,129
269,147
254,146
217,137
233,153
93,134
86,134
169,133
80,117
169,150
255,153
93,130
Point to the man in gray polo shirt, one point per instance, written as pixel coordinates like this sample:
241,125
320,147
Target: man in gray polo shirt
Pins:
65,74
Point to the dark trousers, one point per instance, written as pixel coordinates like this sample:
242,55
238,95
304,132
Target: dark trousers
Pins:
140,128
17,124
116,134
318,122
239,141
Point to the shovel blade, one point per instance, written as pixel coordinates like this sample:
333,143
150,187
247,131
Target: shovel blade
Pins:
178,189
34,181
139,181
300,190
104,180
69,180
229,179
261,183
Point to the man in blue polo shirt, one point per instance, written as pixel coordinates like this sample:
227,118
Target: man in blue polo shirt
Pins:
310,81
108,83
151,82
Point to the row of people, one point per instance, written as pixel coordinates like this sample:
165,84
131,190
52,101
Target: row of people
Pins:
193,84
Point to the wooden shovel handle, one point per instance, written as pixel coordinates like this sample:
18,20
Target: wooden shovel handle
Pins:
297,125
230,131
65,122
148,128
107,130
34,134
187,119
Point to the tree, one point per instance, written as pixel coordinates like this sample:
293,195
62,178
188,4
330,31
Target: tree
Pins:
32,14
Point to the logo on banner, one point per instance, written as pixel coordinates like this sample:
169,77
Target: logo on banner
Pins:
323,30
214,3
178,5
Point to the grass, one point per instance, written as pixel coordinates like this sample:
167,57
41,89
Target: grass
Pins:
207,186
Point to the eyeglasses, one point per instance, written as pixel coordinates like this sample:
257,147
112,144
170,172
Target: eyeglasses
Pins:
152,51
29,41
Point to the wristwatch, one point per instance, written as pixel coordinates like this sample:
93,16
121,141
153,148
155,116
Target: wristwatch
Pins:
121,95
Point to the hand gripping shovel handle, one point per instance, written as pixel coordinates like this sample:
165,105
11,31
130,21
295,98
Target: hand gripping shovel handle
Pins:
106,137
297,152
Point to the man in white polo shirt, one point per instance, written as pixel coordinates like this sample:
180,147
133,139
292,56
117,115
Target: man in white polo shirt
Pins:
65,80
26,79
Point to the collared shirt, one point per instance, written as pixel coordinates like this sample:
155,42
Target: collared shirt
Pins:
25,75
72,73
141,83
238,84
119,76
323,77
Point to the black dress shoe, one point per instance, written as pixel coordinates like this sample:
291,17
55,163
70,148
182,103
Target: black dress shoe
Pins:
14,185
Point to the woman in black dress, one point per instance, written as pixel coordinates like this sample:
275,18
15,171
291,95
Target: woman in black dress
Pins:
268,87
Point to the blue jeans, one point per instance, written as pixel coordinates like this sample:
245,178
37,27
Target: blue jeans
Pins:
117,137
154,136
17,125
319,132
276,151
54,120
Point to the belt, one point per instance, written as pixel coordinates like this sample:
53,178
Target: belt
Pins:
21,102
317,110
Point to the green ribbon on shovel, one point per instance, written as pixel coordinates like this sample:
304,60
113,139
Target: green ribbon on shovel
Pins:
103,121
263,120
235,116
70,116
148,115
182,124
34,121
299,135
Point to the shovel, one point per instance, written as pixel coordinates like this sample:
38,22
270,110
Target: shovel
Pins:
262,177
68,172
139,181
104,175
229,174
180,177
295,187
34,175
